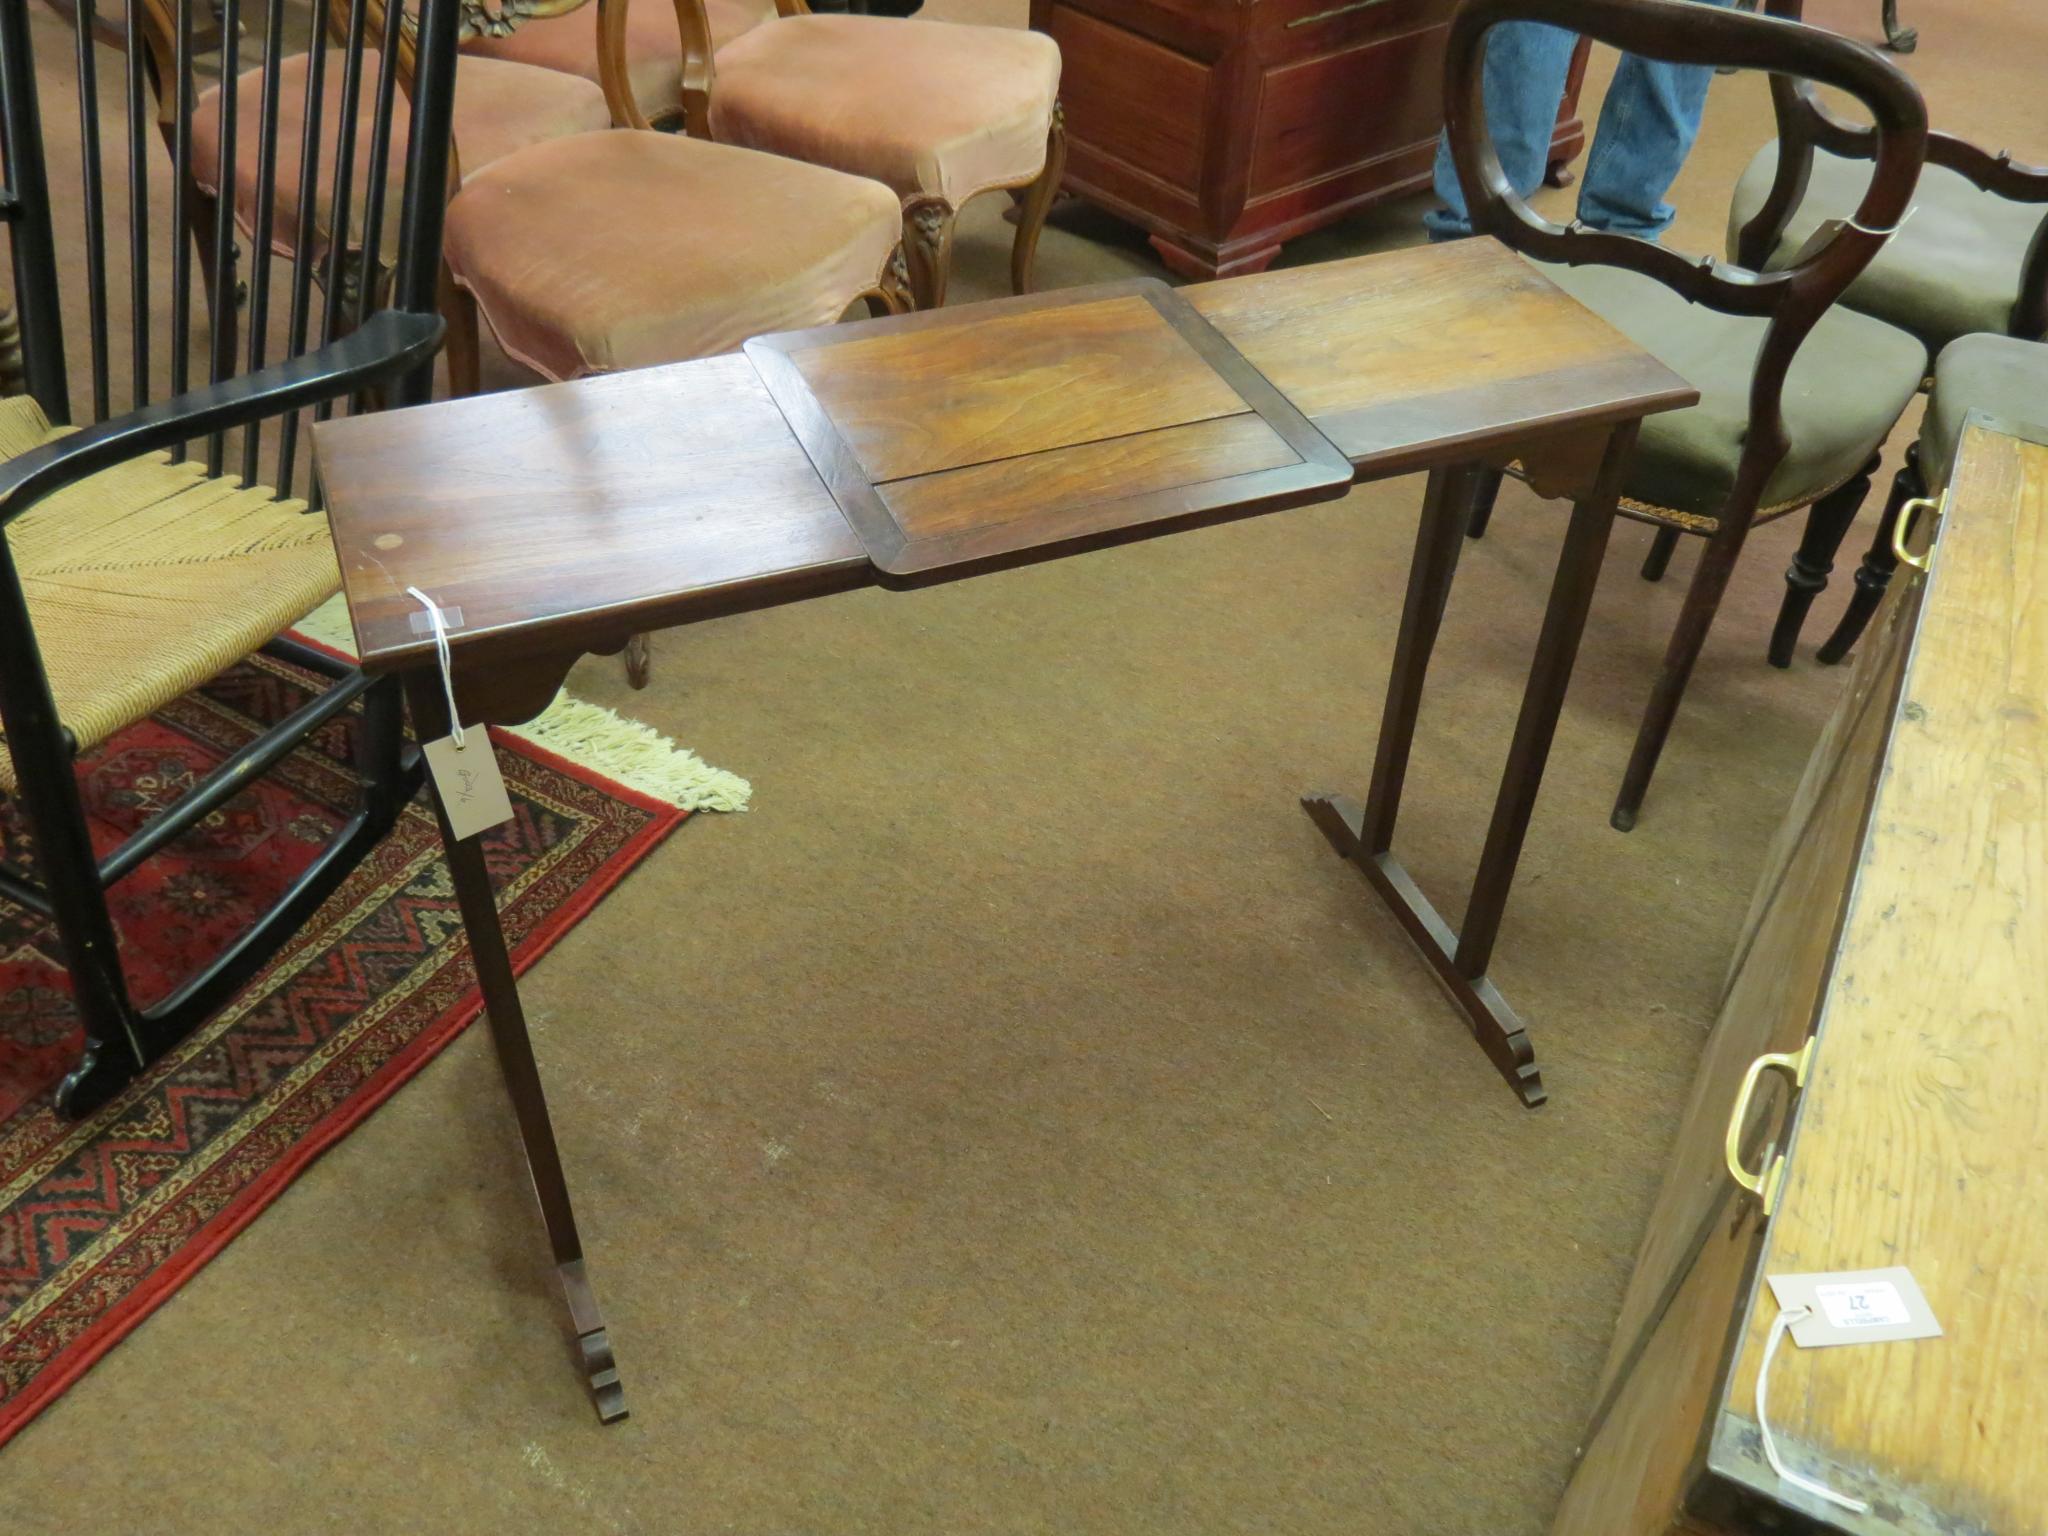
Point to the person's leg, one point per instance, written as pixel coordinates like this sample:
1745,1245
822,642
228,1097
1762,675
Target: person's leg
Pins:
1647,125
1526,64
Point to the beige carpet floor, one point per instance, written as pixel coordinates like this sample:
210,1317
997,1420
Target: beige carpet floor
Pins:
1019,1121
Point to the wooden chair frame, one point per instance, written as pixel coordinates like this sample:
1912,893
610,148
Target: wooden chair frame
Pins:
390,349
479,19
927,221
1806,125
1791,300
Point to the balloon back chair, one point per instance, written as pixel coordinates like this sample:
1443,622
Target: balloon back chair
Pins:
1971,259
1797,395
153,540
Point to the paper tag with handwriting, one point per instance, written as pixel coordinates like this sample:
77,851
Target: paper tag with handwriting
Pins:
466,777
1859,1306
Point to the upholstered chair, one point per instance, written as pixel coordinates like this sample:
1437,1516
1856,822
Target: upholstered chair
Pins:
937,112
498,108
1970,257
626,247
2004,375
941,113
651,46
1797,394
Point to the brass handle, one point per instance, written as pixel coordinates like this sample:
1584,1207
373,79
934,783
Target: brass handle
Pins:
1764,1185
1902,529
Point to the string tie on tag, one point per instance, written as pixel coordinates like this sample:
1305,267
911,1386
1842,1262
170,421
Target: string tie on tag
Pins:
441,654
1779,1328
1904,219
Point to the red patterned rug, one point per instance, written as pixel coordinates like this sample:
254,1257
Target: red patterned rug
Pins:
102,1219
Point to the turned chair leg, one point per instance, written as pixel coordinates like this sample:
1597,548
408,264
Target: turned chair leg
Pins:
1827,524
465,362
1485,491
1875,573
928,248
1658,560
1038,200
1702,601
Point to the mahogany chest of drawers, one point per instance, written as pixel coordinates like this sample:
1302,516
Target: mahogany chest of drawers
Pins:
1225,127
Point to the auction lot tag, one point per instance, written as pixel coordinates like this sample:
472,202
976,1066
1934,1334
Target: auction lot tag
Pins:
471,787
1858,1306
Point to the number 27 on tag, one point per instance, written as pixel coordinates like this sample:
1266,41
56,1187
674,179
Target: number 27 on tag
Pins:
466,777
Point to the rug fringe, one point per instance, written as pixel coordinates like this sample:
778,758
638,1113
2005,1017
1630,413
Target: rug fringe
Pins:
633,753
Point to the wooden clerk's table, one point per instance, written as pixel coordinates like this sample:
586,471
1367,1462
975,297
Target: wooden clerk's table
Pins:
562,520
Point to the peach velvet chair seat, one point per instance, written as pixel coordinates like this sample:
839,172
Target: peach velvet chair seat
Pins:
654,46
940,112
932,109
627,248
499,108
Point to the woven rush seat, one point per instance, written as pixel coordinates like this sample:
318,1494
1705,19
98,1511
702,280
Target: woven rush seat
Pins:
147,579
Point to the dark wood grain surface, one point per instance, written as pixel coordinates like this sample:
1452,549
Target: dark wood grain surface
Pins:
966,440
578,513
1006,379
1402,357
565,517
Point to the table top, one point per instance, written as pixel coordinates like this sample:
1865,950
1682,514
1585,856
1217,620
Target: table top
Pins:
567,516
1924,1125
987,435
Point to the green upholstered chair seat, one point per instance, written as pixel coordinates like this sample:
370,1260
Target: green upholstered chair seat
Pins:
1843,394
1952,268
1999,374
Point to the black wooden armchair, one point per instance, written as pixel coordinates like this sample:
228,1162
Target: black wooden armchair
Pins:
1971,259
132,566
1797,394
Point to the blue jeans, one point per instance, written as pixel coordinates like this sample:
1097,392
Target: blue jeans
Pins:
1647,125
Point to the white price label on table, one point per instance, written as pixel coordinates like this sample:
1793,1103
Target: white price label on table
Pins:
1859,1306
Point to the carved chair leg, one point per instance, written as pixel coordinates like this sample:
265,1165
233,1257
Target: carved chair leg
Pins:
1875,574
1897,38
1658,560
928,249
1038,203
465,363
1485,491
1827,523
891,296
639,661
1702,601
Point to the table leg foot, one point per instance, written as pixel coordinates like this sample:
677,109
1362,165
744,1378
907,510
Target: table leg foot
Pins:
593,1344
1487,1014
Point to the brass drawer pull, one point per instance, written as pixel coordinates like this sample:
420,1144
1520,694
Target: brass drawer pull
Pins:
1903,530
1765,1185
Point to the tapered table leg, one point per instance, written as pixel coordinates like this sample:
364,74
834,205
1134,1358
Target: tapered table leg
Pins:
1364,834
507,1021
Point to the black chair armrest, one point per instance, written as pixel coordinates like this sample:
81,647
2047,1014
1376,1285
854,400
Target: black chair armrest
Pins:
387,344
